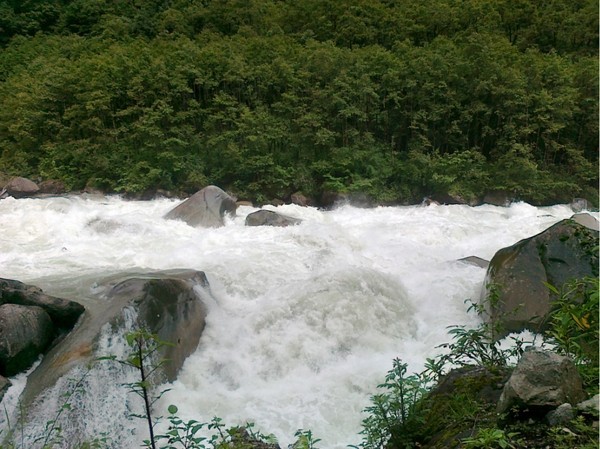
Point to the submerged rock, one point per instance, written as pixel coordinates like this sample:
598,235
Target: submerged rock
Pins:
475,261
270,218
205,208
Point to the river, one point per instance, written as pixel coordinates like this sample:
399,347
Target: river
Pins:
305,320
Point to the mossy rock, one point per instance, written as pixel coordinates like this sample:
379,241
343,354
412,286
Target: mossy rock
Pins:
520,274
462,400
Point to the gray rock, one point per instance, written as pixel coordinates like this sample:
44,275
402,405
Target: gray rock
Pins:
520,272
170,308
25,333
299,199
64,313
586,220
270,218
498,198
476,261
52,187
205,208
21,187
540,382
452,198
579,204
561,415
330,200
591,405
429,202
167,303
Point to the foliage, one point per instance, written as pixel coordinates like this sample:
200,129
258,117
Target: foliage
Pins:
488,438
410,413
392,412
574,326
142,358
577,434
479,345
181,434
305,440
396,100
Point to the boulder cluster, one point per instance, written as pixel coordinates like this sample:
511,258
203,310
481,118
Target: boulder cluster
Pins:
30,323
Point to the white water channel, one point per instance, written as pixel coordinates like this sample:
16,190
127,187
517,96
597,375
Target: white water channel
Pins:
306,319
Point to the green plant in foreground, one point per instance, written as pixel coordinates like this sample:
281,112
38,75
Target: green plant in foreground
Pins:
145,348
478,345
574,325
489,438
578,434
182,433
305,440
393,411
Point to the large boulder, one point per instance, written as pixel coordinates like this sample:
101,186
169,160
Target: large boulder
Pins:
168,307
169,304
205,208
30,321
64,313
269,218
541,381
21,187
515,289
25,333
473,385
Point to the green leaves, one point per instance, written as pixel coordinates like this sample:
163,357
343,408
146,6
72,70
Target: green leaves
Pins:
574,326
392,413
488,438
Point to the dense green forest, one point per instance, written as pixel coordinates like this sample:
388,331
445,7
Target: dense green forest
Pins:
397,99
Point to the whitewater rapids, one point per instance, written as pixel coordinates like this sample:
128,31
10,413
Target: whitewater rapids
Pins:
305,320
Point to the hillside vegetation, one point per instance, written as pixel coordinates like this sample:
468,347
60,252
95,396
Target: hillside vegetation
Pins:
395,99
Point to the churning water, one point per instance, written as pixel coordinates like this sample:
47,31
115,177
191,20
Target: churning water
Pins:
305,320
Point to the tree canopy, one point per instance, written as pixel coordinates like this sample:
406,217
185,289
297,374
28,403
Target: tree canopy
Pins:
397,100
